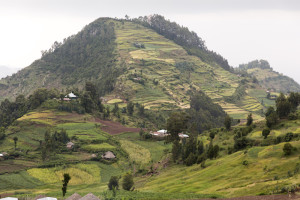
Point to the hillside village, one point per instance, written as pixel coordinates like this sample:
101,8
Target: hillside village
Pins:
151,114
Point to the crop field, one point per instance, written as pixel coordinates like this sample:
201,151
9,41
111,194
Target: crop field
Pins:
137,153
80,173
160,57
98,147
84,131
156,148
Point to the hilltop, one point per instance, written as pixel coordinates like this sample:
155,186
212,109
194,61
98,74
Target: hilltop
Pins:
268,78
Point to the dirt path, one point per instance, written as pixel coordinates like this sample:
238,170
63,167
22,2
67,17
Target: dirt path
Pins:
114,128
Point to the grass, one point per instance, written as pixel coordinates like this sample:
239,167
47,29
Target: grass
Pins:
98,147
264,164
80,173
84,131
137,153
156,148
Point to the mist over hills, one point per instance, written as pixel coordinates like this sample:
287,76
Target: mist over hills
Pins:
7,71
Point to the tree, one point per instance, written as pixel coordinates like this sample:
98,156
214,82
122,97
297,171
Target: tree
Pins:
266,132
176,150
227,122
130,108
294,100
113,182
216,150
283,106
15,140
210,151
287,149
127,181
176,124
91,88
272,119
66,180
249,119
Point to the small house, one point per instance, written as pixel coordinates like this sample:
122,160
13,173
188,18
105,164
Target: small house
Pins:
9,198
108,155
74,196
181,135
71,96
47,198
89,196
70,145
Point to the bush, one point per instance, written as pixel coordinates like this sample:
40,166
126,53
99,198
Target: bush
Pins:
266,132
113,183
127,181
288,137
245,162
287,149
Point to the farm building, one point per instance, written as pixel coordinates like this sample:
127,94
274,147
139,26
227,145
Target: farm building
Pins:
9,198
74,196
89,196
108,155
71,96
70,145
47,198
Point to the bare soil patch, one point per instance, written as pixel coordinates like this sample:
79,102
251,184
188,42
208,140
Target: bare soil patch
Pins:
114,128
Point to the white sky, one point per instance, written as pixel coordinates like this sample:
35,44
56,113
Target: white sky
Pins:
241,31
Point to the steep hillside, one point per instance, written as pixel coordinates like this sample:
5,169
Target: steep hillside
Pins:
88,55
268,78
153,62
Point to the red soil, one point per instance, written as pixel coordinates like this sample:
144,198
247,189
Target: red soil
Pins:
114,128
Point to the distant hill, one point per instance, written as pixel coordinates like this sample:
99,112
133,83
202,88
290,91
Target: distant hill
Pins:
7,71
268,78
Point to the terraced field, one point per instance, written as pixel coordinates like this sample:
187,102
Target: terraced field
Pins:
158,62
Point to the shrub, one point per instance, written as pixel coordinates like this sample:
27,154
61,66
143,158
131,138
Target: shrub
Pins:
113,183
266,132
245,162
287,149
288,137
127,181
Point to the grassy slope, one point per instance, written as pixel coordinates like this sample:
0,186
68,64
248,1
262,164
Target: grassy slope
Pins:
227,176
24,175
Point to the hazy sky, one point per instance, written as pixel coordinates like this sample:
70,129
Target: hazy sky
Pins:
239,30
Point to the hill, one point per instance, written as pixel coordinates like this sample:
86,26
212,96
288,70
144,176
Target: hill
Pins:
268,78
150,61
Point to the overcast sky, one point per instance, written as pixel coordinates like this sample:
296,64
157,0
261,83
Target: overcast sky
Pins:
239,30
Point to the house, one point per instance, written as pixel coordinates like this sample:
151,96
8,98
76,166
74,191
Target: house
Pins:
181,135
9,198
74,196
66,99
108,155
71,96
162,131
70,145
47,198
89,196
